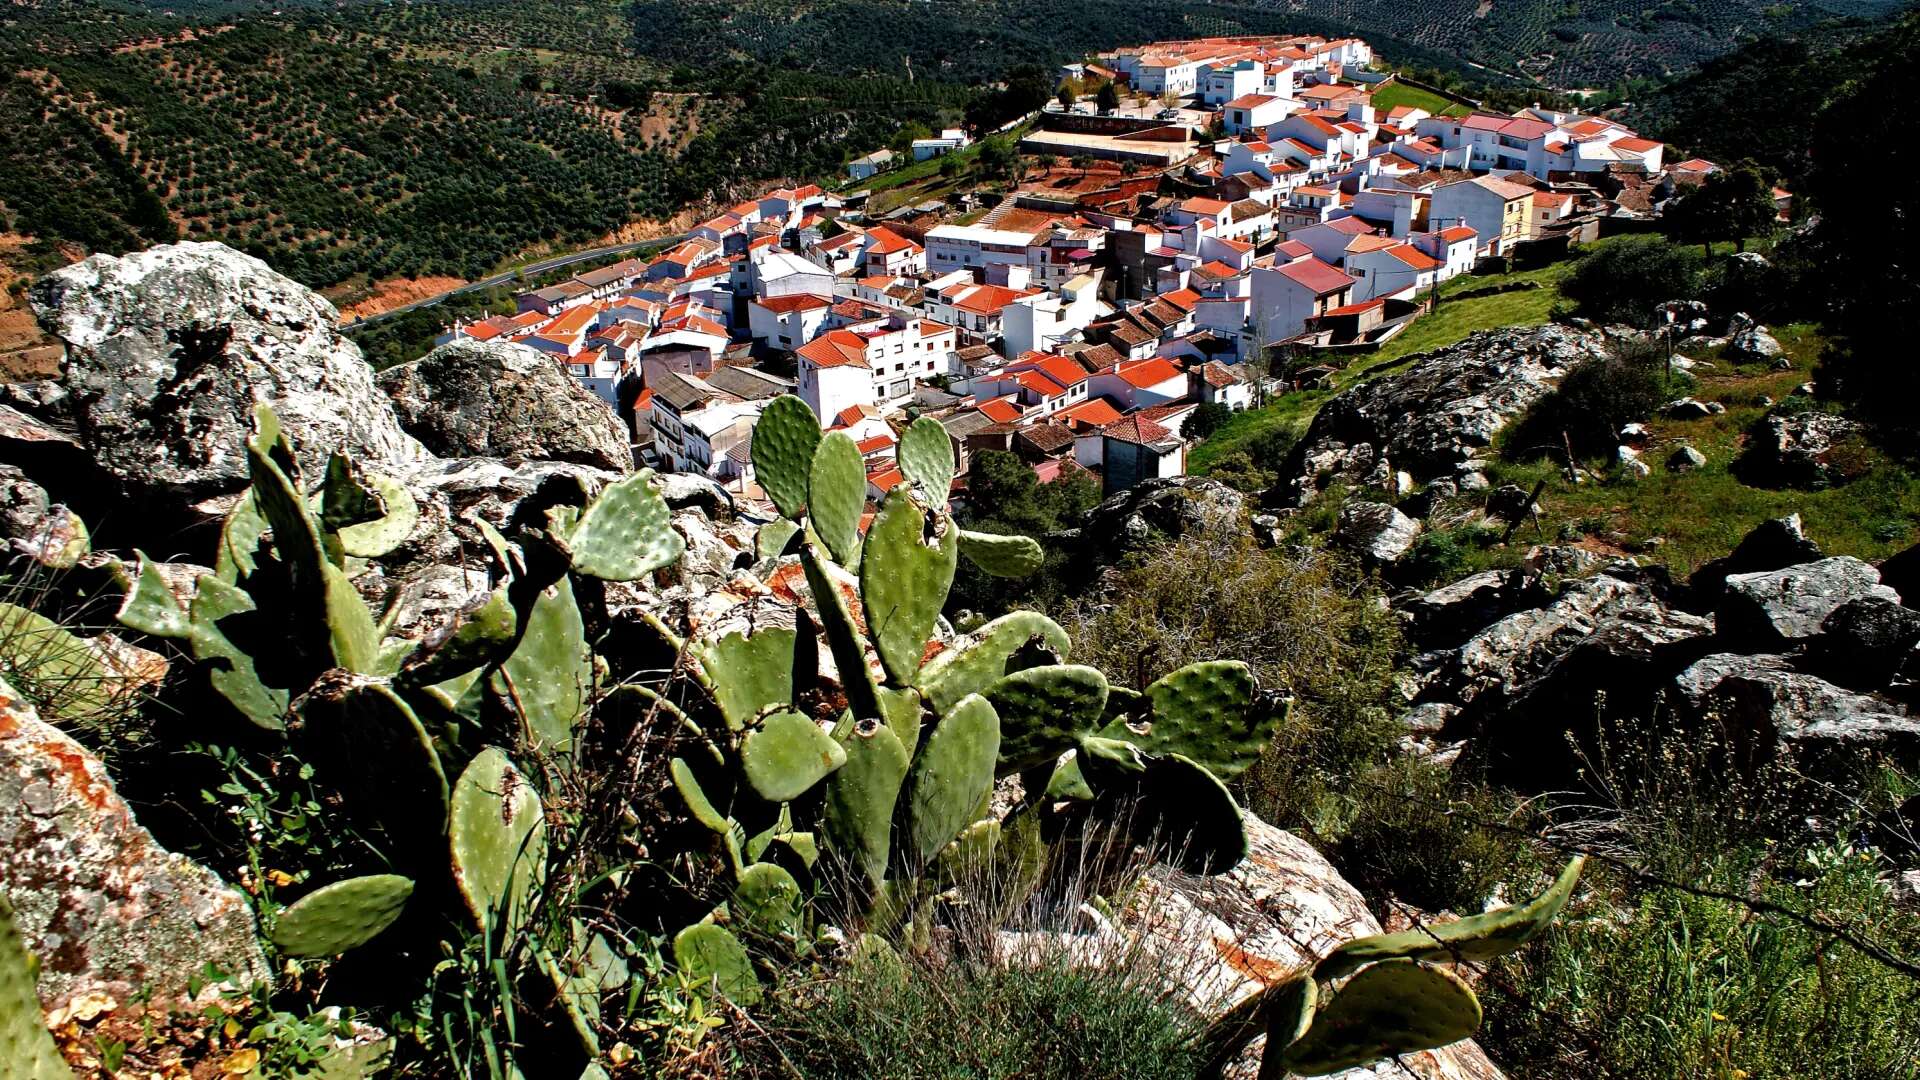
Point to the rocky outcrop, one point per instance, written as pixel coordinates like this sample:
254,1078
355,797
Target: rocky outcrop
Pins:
1864,642
107,911
1219,940
1434,418
1772,710
1379,533
1447,616
1797,449
1749,342
1154,511
169,349
504,400
1771,545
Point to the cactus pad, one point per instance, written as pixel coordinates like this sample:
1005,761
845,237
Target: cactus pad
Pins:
926,458
483,636
710,957
397,514
695,797
498,839
1390,1008
1046,711
549,677
905,574
1190,814
951,773
773,538
844,640
369,743
1205,712
26,1046
233,673
149,606
787,754
625,533
749,673
784,441
982,661
1475,938
837,493
862,794
769,901
1007,555
341,916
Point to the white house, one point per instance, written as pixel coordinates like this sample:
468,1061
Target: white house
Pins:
949,140
1138,384
1392,268
866,166
1499,212
887,252
1455,248
788,322
1286,296
873,364
1254,112
1043,323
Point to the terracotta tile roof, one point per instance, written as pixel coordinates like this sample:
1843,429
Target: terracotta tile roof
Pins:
1147,373
1098,412
1312,274
1136,429
1206,207
1048,438
1458,233
1001,410
1413,256
875,444
1184,299
1218,375
785,305
1250,101
886,242
1058,368
835,348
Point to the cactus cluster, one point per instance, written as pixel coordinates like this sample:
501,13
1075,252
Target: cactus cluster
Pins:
1377,997
896,784
410,735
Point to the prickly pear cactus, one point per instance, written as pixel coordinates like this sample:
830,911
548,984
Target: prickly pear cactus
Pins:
1188,812
747,673
549,678
1008,555
926,458
769,902
498,839
952,775
708,956
1046,711
341,916
838,495
26,1046
784,440
1204,712
1475,938
906,570
787,755
625,533
981,661
861,796
1389,1008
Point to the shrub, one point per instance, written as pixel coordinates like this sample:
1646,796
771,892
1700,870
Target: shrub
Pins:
1624,280
1593,402
1206,419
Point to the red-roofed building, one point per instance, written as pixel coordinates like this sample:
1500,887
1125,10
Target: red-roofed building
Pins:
1130,450
873,364
887,253
1396,269
1138,384
787,322
1286,295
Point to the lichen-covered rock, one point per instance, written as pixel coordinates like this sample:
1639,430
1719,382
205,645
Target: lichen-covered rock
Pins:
1222,939
1796,449
505,400
1379,532
1452,613
105,908
169,349
1438,414
1155,510
1864,641
1778,608
1772,710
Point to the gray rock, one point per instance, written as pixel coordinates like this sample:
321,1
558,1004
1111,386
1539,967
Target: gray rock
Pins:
1778,608
1771,545
1453,613
1772,710
1157,510
1562,560
1439,413
1635,434
1429,719
34,526
1753,344
106,910
1863,642
1685,458
1510,502
1796,449
504,400
1628,466
169,349
684,491
1219,940
1377,531
1688,408
1429,498
1517,649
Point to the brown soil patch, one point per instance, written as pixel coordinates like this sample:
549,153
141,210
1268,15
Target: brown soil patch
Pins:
391,293
25,352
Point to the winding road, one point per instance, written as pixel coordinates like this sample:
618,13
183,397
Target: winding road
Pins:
531,270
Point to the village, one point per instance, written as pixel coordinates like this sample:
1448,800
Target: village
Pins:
1214,205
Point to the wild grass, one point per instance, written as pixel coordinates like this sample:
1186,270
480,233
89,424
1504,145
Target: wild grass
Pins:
1395,94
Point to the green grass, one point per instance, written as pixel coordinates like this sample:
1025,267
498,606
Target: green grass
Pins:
1450,323
1701,514
1393,95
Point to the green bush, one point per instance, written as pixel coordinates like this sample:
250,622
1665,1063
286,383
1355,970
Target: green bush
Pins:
891,1019
1593,402
1625,279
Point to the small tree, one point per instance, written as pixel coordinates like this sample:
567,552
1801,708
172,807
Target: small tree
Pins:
1728,205
1206,419
1627,278
1066,96
1083,162
1108,98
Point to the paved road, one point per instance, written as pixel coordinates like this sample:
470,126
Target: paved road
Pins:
530,270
